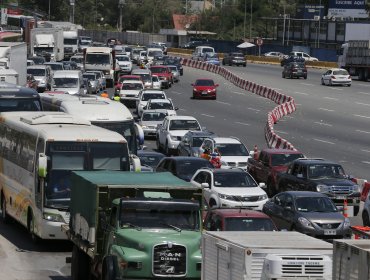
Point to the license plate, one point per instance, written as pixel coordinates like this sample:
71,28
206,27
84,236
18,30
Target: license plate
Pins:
340,197
330,232
204,92
299,71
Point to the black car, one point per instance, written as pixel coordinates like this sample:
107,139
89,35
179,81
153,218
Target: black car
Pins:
294,70
291,58
310,213
234,58
182,167
174,61
149,159
191,142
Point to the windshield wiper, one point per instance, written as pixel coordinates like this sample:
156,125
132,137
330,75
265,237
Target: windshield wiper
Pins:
172,226
131,225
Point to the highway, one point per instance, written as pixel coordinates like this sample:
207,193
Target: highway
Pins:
330,122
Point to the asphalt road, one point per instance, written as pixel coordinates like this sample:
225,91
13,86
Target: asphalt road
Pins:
332,123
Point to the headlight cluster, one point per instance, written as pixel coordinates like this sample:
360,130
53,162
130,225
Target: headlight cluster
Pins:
225,196
323,188
262,197
304,222
53,217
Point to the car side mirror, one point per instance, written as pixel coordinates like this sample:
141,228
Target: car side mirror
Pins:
176,108
262,185
205,185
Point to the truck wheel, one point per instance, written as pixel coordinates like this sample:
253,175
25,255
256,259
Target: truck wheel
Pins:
4,215
356,209
80,266
109,268
365,218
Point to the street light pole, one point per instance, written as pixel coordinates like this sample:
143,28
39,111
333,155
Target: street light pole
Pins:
284,27
245,15
120,6
250,23
318,37
49,10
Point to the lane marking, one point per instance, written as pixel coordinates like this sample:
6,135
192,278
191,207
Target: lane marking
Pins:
321,123
366,151
177,92
333,88
223,103
367,162
210,116
324,141
237,92
242,123
363,131
305,84
360,103
302,93
181,109
281,132
366,117
276,88
366,93
253,109
331,98
324,109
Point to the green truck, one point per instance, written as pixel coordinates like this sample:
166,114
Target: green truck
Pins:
130,225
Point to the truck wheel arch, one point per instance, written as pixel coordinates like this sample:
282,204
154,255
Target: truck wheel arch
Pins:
110,266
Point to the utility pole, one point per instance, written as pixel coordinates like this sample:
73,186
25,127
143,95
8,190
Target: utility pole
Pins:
245,16
250,23
72,11
120,6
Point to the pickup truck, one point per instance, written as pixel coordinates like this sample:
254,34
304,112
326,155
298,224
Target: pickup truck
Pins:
265,165
130,225
234,58
321,176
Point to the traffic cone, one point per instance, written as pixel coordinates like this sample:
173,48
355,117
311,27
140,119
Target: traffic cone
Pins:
345,208
255,152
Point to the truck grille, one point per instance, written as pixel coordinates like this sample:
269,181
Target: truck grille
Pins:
169,260
302,265
341,190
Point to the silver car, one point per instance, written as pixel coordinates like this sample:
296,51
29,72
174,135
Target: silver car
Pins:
101,77
149,121
366,211
93,82
175,73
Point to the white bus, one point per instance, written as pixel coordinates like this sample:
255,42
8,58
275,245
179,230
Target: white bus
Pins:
99,111
38,152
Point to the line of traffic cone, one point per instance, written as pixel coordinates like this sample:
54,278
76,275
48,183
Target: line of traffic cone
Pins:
345,208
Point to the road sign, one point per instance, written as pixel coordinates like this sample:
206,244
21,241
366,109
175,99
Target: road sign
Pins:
259,41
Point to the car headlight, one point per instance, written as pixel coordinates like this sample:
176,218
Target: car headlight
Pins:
144,127
53,217
356,188
346,223
262,197
304,222
225,196
323,188
173,138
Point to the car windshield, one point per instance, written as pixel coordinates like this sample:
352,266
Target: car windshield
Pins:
340,72
121,79
315,204
36,72
173,68
56,66
197,141
150,160
204,83
155,53
184,125
187,168
233,180
129,86
282,159
122,58
208,50
153,116
89,77
65,82
316,171
146,77
248,224
158,69
147,96
160,105
232,149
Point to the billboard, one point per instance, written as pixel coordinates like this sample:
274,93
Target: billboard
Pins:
310,11
347,8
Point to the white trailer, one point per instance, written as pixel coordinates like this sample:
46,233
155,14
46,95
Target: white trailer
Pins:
47,42
258,255
14,56
351,259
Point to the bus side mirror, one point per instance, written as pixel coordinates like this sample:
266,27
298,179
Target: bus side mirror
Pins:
43,163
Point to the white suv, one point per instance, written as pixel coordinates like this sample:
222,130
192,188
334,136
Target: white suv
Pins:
171,131
366,211
232,187
145,95
233,152
306,56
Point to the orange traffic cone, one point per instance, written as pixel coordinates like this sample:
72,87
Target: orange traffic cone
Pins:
255,152
345,208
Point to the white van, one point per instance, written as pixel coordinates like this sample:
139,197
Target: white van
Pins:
153,52
69,81
200,51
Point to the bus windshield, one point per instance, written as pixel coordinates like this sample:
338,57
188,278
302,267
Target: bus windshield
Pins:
65,157
126,129
93,58
20,104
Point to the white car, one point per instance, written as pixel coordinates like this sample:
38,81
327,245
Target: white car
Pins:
366,211
161,104
175,73
156,82
336,76
274,54
232,187
171,131
233,152
129,91
124,63
306,56
145,95
149,121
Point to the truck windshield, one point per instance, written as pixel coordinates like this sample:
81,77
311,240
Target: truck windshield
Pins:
248,224
65,157
36,72
125,128
68,41
42,50
65,82
95,58
20,104
184,219
282,159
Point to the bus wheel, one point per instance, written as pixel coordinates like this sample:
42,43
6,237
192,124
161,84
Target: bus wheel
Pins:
4,215
80,266
109,268
31,227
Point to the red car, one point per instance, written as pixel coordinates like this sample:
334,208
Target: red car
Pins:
237,219
204,88
122,78
164,74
